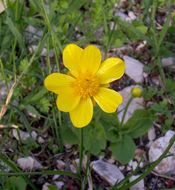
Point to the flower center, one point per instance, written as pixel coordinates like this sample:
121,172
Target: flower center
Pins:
86,85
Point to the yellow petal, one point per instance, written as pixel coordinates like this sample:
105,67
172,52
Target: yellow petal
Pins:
91,59
67,100
108,100
111,70
56,81
82,114
71,58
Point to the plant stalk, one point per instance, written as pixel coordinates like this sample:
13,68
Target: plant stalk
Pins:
81,157
125,110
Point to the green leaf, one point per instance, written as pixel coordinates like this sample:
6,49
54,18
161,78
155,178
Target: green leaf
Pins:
43,105
118,42
135,30
74,5
52,187
113,135
15,31
124,149
139,123
142,29
94,138
164,29
68,134
108,120
35,95
15,183
31,109
23,64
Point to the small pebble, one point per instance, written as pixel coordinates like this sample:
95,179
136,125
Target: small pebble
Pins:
108,172
138,186
41,140
60,165
59,184
151,134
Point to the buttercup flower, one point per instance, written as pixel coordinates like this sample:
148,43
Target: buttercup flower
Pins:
86,83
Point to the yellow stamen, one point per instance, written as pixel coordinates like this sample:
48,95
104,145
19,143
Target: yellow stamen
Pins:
86,85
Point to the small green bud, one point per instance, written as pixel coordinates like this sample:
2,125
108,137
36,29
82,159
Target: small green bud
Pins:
136,92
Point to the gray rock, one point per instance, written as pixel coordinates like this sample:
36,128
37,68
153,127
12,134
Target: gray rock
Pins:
108,172
29,163
73,168
131,15
128,18
59,184
151,134
41,140
167,165
4,167
137,103
60,165
138,186
33,34
133,164
169,62
55,177
44,52
45,186
122,16
22,135
134,69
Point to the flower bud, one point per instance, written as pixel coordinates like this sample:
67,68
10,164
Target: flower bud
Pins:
136,92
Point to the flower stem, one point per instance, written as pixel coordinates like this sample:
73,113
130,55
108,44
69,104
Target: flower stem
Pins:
81,156
125,110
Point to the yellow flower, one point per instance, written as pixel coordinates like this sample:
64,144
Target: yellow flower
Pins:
87,82
136,92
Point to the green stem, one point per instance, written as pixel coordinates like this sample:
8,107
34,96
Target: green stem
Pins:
161,71
55,41
43,172
149,169
58,129
3,75
125,110
81,157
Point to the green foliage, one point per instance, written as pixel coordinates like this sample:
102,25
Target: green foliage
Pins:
52,187
124,149
36,98
133,31
139,123
69,134
83,22
106,127
94,138
15,183
121,138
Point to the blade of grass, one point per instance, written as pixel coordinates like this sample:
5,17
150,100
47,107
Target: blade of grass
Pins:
3,75
41,173
164,30
15,32
13,166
